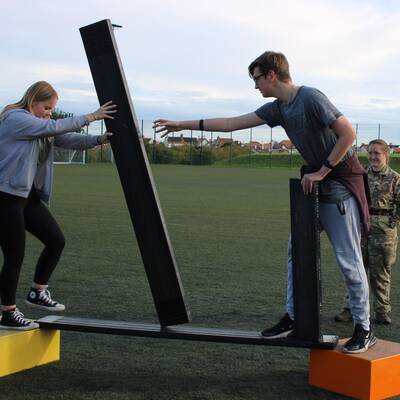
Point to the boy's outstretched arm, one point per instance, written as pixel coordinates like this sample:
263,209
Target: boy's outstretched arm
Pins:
250,120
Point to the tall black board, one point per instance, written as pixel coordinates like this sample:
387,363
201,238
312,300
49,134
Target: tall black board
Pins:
135,174
306,260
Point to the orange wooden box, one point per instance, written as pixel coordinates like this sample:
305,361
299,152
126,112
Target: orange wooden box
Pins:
372,375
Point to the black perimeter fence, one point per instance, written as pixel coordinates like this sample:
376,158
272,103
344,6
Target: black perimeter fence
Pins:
256,147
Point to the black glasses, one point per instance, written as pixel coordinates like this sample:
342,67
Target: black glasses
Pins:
256,78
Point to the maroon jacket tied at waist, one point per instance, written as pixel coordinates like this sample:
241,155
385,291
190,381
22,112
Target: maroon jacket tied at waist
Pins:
351,174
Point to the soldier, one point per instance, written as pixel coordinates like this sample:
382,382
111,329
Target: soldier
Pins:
379,251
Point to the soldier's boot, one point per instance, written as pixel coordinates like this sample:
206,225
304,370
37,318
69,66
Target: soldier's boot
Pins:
382,319
344,316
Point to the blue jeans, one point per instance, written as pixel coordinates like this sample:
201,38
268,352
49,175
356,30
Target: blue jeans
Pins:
344,233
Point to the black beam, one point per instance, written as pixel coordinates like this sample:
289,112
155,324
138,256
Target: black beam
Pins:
135,174
181,332
306,262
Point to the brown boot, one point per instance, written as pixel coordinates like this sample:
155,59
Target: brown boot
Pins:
382,319
344,316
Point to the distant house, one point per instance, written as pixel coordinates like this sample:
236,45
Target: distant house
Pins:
222,142
363,148
394,148
266,147
181,140
203,142
286,145
255,146
150,141
276,146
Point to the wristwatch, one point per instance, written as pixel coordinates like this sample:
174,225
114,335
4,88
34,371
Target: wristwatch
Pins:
328,164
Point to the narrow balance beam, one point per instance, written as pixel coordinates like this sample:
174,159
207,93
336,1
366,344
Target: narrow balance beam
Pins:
181,332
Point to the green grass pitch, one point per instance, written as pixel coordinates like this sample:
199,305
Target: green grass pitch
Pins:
229,229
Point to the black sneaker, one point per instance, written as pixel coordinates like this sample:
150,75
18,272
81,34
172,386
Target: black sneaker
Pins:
14,319
281,329
361,340
41,299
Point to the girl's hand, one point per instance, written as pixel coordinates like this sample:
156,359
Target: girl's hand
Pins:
103,112
104,139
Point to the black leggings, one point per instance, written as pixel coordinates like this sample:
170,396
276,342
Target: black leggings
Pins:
18,214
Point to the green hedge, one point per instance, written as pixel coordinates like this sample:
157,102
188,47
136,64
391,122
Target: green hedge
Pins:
193,155
220,156
261,160
287,160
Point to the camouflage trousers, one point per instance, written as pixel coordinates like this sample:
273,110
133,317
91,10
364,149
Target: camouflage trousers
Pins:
379,253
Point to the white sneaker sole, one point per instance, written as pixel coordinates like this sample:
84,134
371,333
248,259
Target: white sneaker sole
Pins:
57,308
363,350
30,327
279,336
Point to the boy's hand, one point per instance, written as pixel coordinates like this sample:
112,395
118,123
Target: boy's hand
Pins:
308,180
166,126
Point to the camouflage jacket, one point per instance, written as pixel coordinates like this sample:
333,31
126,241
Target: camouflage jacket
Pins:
384,188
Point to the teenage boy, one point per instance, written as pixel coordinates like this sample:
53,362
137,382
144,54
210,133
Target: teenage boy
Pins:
324,138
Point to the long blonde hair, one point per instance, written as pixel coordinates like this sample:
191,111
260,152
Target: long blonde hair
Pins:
39,91
384,146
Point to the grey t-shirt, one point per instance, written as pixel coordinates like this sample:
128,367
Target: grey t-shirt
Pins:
307,120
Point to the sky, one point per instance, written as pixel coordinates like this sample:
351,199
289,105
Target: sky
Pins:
188,59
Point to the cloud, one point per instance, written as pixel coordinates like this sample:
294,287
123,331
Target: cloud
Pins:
341,39
187,59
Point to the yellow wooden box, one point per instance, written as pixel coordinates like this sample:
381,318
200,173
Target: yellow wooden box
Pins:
21,350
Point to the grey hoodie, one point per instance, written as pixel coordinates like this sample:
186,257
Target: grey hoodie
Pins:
19,150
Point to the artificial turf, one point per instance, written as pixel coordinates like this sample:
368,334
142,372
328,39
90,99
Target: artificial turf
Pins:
229,229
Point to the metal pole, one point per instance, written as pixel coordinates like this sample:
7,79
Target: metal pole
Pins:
211,144
101,146
379,131
190,148
230,150
84,151
266,155
270,150
154,145
201,149
356,137
251,139
291,151
141,133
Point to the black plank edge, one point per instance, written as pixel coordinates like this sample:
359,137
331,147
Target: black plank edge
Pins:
180,333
